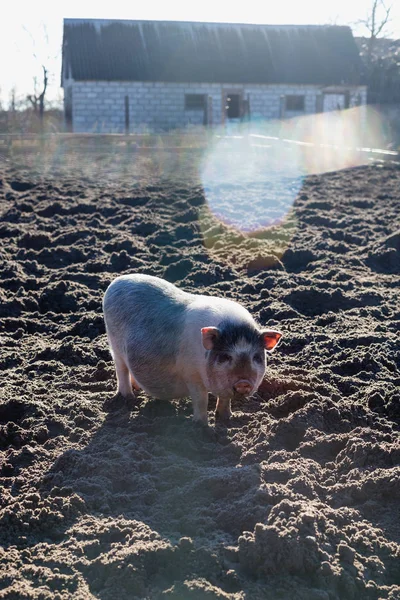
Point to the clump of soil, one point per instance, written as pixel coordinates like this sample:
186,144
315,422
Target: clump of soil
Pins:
298,497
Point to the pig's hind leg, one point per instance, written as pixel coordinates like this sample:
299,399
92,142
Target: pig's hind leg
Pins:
123,378
123,374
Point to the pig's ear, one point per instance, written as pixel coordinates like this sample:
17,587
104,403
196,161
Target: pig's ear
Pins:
209,335
270,338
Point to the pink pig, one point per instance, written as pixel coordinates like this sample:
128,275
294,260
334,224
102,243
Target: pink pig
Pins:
174,344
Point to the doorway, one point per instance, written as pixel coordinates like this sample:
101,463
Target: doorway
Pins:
233,106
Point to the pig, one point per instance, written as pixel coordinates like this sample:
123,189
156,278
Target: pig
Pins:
174,344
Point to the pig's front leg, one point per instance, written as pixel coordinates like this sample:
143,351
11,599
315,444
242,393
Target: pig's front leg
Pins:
223,409
199,397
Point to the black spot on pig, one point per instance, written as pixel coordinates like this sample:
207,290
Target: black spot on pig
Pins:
231,334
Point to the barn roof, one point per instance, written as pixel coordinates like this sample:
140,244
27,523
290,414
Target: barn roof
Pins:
118,50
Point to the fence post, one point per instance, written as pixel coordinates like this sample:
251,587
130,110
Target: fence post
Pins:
126,114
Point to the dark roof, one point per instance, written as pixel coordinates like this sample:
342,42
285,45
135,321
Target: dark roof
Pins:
209,52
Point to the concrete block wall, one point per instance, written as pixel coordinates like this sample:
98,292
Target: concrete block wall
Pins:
267,100
99,106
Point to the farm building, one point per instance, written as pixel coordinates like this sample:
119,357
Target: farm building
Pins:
134,76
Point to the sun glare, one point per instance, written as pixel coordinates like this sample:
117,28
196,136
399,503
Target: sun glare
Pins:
251,180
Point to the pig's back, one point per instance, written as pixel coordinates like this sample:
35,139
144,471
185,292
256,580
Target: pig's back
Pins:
145,310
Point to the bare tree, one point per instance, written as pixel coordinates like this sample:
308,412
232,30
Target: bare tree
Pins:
37,99
11,111
13,100
376,23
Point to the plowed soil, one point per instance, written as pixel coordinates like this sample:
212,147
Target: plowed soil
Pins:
298,498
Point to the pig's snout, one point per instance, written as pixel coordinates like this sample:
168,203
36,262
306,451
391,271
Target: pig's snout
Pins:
243,387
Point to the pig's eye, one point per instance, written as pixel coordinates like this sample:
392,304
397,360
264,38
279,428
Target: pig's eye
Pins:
223,357
258,358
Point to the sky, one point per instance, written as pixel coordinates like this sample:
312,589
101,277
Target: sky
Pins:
31,32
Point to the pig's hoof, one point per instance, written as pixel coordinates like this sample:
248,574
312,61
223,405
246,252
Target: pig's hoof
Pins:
200,422
119,401
131,402
203,431
223,416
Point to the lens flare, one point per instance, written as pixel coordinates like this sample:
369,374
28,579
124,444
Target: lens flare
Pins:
251,178
249,185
